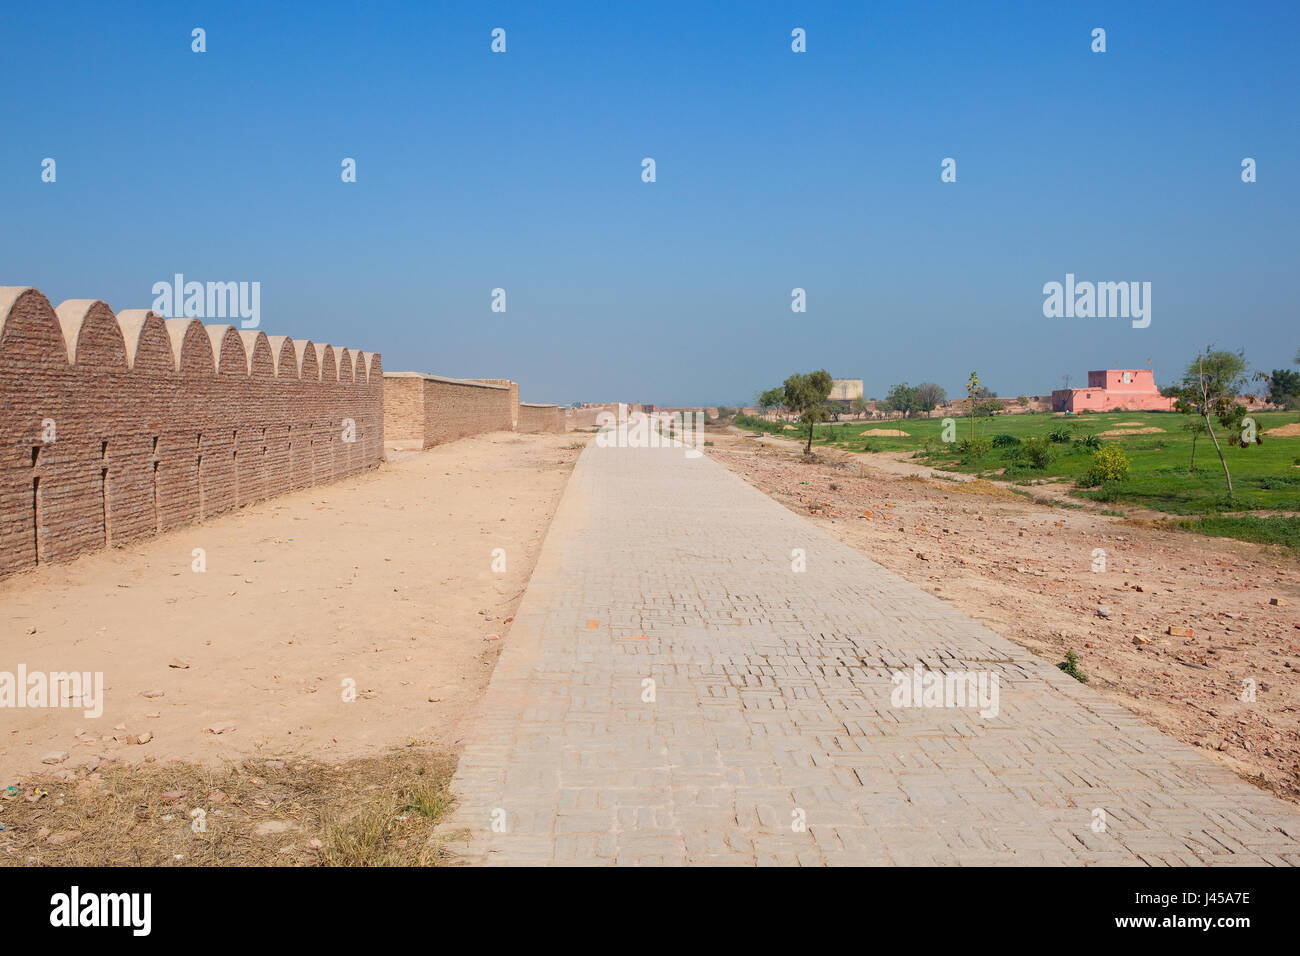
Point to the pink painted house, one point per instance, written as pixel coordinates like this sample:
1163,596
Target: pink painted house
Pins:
1114,390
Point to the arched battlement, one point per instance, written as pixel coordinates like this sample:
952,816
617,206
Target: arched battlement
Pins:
228,348
345,366
285,354
30,331
308,363
329,369
148,347
261,358
191,347
91,334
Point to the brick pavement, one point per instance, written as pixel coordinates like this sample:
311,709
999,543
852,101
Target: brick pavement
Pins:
773,708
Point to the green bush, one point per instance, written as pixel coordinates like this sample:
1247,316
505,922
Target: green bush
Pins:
1060,434
973,449
1091,442
1005,441
1039,451
1109,463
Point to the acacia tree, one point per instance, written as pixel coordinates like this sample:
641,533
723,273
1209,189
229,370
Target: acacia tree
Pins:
770,399
901,398
805,395
928,395
859,405
1210,386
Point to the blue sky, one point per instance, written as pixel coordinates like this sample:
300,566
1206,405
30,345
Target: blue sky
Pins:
775,170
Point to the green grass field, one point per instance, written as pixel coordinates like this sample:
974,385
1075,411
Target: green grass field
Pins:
1265,477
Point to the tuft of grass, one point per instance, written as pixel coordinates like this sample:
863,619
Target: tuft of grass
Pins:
378,811
1071,666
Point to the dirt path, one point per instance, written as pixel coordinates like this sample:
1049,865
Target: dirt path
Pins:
1026,570
382,584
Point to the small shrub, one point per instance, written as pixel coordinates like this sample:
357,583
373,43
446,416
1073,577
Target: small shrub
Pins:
1005,441
1060,434
973,449
1071,666
1039,451
1108,492
1091,442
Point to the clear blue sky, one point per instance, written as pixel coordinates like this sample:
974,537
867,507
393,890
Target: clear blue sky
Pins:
775,170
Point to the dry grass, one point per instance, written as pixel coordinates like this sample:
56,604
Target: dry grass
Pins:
374,812
981,487
1119,432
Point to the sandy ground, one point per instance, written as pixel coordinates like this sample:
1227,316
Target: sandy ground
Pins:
384,580
1025,569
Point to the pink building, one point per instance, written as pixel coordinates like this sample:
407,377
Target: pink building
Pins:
1114,390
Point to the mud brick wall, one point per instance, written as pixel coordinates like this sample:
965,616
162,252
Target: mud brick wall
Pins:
535,419
514,397
404,409
442,409
158,423
587,417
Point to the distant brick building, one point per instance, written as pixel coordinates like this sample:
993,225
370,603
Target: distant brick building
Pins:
845,389
1114,390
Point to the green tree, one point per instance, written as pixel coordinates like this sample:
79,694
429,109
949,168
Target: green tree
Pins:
1210,386
772,398
805,395
1283,387
859,406
901,398
928,395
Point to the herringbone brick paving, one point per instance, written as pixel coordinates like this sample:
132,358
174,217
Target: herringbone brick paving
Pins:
772,705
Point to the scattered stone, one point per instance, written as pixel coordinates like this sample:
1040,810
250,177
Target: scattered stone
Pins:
143,738
1103,612
1180,631
57,756
1141,639
1277,602
220,728
178,664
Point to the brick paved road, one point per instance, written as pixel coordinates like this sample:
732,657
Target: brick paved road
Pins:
773,704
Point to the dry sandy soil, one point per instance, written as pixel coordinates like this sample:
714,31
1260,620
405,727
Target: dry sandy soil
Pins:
1024,568
384,580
